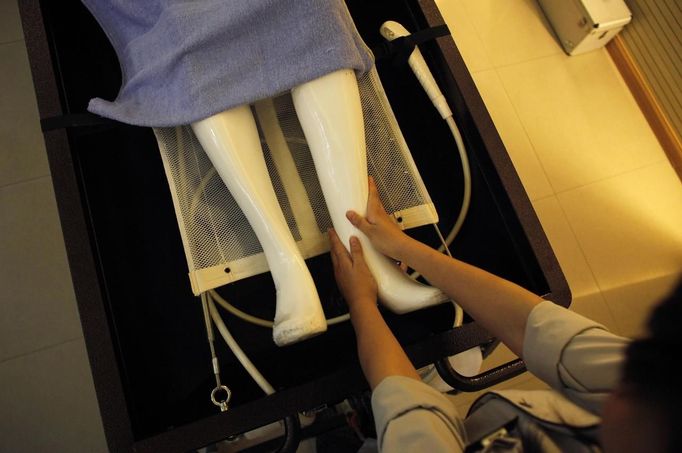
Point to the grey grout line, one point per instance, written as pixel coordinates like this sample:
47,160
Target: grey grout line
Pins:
538,156
539,199
42,349
11,42
588,266
26,181
528,136
660,161
528,60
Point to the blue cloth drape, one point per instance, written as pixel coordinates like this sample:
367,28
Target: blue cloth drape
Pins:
185,60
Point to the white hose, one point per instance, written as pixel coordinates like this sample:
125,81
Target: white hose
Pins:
236,350
200,190
392,30
466,199
238,313
466,174
260,321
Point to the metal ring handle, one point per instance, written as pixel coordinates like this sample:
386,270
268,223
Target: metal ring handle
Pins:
221,404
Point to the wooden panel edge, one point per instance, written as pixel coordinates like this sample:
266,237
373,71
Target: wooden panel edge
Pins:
667,136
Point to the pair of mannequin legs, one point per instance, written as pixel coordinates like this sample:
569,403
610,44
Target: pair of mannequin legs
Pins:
330,113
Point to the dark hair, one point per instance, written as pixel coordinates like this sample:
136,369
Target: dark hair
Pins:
649,370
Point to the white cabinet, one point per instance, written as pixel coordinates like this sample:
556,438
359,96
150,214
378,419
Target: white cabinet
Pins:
584,25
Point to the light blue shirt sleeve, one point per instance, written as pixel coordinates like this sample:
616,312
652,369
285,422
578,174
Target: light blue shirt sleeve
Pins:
574,355
411,416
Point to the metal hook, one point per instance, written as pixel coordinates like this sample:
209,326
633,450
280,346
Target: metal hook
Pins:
223,405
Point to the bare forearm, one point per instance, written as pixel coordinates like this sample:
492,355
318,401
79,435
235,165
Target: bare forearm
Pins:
500,306
379,352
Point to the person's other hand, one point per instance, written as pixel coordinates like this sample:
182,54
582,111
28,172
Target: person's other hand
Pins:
379,227
353,277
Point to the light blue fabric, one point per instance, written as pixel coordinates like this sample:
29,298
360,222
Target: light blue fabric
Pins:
185,60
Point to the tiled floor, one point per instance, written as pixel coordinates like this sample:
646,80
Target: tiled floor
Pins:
47,397
608,199
606,196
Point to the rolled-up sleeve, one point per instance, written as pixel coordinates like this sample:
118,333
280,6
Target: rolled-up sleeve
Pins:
412,416
573,354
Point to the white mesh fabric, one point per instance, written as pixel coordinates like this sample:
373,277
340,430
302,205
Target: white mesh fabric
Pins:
219,243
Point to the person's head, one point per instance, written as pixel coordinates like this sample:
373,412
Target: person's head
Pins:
644,413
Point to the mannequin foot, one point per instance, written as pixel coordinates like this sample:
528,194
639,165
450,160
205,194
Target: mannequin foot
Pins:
299,314
297,329
398,292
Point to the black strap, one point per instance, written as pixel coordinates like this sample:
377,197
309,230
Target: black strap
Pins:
400,49
71,120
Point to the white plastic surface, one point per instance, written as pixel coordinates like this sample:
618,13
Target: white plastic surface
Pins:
331,117
215,232
231,142
606,13
585,25
392,30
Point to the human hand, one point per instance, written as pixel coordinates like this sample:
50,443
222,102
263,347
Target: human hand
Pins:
379,227
353,277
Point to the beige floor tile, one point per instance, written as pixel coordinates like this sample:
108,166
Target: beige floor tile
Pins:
512,31
499,356
629,226
513,135
594,307
631,304
10,23
566,247
532,383
525,381
48,403
466,38
580,117
22,150
38,307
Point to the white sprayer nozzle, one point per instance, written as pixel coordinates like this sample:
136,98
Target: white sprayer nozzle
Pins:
392,30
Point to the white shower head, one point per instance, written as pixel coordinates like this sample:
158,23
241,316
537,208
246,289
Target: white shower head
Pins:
392,30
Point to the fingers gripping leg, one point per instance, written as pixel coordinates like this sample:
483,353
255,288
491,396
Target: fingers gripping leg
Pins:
330,113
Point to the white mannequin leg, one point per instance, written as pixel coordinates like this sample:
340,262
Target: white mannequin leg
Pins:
231,141
330,113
